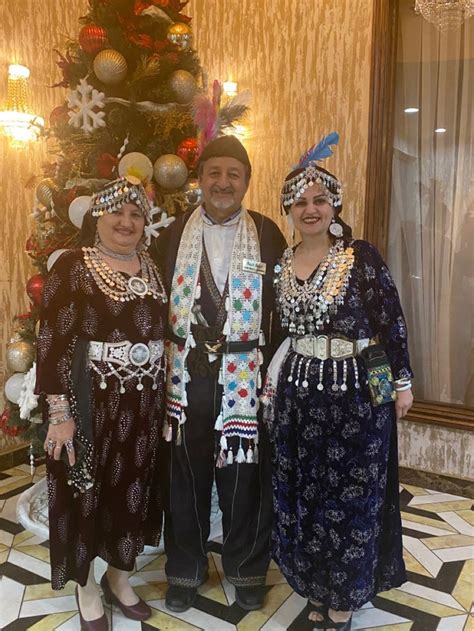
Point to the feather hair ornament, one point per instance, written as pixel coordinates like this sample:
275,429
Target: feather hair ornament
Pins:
319,151
211,119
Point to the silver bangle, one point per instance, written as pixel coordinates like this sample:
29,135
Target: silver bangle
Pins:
403,388
60,420
403,381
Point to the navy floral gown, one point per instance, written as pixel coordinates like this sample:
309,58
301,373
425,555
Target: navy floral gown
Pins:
337,535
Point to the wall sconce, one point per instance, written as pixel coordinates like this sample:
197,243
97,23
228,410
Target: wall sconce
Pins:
230,88
16,119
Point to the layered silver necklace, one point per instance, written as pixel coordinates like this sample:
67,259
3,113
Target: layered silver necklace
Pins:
306,307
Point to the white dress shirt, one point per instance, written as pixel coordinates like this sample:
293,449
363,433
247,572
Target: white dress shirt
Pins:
219,242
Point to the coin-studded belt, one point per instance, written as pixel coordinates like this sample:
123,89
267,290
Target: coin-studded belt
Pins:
126,353
327,347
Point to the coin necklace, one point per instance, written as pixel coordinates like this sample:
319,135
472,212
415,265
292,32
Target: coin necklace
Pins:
120,288
306,307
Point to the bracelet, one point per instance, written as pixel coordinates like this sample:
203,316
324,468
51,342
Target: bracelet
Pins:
56,397
403,388
60,420
403,381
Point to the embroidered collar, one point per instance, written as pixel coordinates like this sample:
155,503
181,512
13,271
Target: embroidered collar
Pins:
230,221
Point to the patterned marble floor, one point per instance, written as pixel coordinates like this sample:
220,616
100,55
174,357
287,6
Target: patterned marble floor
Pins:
439,553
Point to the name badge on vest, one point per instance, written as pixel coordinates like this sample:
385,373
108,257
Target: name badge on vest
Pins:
256,267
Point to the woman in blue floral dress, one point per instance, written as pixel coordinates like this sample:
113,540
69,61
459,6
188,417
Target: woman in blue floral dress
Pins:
337,535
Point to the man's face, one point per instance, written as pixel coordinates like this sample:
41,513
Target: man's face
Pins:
223,183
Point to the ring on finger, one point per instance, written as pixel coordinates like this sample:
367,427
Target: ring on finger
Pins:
69,446
51,444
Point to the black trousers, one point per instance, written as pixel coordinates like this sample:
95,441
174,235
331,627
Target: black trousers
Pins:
245,498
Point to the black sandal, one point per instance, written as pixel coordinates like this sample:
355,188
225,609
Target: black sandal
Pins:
327,623
321,609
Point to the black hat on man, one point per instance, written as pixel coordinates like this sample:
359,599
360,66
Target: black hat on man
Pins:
226,147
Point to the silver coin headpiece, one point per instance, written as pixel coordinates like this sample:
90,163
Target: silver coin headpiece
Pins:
124,190
307,173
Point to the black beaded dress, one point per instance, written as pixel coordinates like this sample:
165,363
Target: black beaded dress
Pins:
121,512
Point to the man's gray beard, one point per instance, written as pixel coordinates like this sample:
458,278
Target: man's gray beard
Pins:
223,204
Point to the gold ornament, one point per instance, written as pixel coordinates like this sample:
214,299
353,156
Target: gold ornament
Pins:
180,35
110,66
170,171
20,356
192,192
44,191
183,85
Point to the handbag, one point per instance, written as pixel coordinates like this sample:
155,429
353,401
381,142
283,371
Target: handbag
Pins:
379,375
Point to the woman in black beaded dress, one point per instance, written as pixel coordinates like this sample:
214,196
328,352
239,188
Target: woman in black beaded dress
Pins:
104,403
337,534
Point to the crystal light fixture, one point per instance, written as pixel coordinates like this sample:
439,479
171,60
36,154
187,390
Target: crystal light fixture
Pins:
445,15
16,119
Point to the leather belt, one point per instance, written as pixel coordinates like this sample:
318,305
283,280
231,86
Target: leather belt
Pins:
217,347
325,347
126,353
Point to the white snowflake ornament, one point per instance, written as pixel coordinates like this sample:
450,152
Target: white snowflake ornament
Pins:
83,103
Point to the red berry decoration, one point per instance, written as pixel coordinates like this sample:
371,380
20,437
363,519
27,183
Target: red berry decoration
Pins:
92,38
188,151
34,288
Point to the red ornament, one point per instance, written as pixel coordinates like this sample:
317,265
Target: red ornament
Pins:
92,38
34,288
188,151
59,116
106,165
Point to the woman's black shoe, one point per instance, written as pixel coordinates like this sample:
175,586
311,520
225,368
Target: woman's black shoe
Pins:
250,598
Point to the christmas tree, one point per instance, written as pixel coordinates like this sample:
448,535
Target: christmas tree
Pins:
136,105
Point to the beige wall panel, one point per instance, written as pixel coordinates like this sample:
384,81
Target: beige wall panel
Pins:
29,30
436,449
307,64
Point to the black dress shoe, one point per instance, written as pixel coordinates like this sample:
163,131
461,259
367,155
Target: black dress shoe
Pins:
250,598
179,598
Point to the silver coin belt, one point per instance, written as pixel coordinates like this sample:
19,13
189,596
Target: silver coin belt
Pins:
126,361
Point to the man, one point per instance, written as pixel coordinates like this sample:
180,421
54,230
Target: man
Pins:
218,263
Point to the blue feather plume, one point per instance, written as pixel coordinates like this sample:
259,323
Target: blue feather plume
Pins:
319,151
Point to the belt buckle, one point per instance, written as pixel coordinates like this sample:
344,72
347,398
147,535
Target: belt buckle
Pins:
341,349
139,354
321,347
214,347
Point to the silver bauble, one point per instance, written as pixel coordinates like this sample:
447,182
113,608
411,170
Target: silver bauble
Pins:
170,172
20,356
192,192
110,66
183,85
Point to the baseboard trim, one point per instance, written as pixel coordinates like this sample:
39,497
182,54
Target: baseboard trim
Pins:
437,482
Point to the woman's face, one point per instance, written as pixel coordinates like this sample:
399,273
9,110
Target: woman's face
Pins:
312,213
121,230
